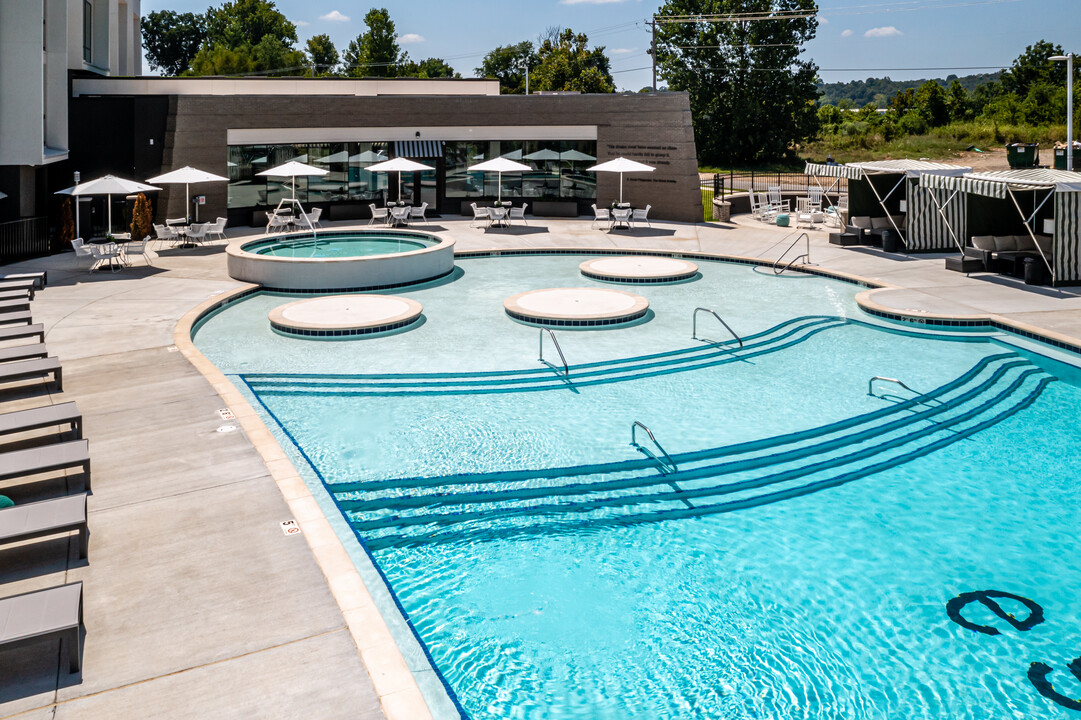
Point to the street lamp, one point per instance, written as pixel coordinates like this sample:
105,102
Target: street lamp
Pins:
1068,57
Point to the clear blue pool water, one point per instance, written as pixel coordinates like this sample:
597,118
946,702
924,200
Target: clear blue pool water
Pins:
797,565
335,245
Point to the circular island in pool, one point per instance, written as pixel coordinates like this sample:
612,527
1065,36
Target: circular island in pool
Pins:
639,269
344,315
341,260
576,307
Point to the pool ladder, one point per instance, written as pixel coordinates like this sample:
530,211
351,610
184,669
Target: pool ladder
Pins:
668,465
566,368
882,378
694,324
806,255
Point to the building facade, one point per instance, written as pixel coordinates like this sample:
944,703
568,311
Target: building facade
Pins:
42,43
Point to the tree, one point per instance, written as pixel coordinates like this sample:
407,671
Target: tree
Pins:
566,63
141,218
67,222
752,98
507,64
322,54
957,101
932,103
375,52
248,22
171,40
428,68
1032,66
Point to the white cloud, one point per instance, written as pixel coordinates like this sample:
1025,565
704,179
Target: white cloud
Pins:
823,21
410,38
846,33
621,51
589,2
334,16
888,31
300,23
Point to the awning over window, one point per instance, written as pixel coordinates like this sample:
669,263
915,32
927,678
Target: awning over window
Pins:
418,148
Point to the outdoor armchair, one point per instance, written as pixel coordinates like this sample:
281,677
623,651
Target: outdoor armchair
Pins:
417,213
601,215
105,254
518,213
135,247
197,234
275,221
642,215
479,213
379,213
217,229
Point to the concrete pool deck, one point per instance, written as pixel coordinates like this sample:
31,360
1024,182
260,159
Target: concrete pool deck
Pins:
197,604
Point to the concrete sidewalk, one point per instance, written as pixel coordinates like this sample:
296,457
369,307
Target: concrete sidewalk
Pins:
196,604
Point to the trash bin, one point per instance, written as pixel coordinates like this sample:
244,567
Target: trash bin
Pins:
1023,155
889,242
1033,272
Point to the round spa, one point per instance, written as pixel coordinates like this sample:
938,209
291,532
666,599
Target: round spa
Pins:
341,260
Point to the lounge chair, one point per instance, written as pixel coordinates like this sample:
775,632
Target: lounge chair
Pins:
42,417
641,215
481,214
23,352
47,517
55,613
39,278
379,213
603,215
24,369
518,213
28,285
14,294
25,331
418,213
47,458
15,305
21,317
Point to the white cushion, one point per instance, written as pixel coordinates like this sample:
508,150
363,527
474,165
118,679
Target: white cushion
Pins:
861,221
983,242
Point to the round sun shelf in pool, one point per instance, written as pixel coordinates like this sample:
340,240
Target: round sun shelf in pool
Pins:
341,260
344,315
639,269
576,307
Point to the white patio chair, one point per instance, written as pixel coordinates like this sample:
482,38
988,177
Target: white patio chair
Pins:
198,232
765,211
165,234
621,216
481,214
400,215
518,213
804,213
379,213
417,213
642,216
217,229
106,253
777,204
83,256
135,247
814,198
601,215
309,217
274,221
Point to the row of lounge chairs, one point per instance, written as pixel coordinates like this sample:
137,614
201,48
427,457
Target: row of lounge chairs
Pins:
54,614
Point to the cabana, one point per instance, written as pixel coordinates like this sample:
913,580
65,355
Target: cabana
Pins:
888,188
1008,199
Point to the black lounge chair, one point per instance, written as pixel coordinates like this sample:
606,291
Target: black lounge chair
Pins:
52,614
39,278
59,456
48,416
16,318
16,305
24,369
23,331
44,518
23,352
14,294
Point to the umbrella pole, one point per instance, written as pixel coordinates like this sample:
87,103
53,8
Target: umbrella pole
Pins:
621,188
499,187
109,212
187,200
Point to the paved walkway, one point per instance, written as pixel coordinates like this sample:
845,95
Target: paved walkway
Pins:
196,603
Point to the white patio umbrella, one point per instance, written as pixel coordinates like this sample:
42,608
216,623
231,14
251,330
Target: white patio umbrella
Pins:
3,195
293,170
499,165
341,156
575,156
544,154
512,155
622,165
187,175
109,185
399,165
367,156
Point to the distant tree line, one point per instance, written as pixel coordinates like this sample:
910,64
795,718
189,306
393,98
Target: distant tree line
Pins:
1031,92
858,93
245,37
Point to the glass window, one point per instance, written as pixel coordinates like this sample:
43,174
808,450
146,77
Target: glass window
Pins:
367,186
88,29
459,156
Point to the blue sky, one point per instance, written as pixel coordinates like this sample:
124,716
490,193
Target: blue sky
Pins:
857,38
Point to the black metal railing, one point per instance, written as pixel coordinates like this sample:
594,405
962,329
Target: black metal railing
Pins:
744,181
25,238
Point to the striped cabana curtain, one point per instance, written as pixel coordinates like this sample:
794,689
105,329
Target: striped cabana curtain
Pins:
1067,238
927,229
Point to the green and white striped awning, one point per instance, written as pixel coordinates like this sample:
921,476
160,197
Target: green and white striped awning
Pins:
997,184
834,171
911,168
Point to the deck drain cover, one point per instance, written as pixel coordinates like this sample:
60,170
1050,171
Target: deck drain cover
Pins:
227,428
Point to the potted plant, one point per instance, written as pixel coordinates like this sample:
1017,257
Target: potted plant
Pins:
141,218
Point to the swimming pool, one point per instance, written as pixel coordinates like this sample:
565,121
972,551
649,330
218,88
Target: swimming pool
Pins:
799,560
336,245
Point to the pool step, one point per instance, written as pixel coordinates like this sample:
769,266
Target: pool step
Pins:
776,338
999,388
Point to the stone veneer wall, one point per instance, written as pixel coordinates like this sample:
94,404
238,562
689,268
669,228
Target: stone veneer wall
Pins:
651,128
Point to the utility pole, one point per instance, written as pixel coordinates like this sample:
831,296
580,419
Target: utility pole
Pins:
653,51
1068,57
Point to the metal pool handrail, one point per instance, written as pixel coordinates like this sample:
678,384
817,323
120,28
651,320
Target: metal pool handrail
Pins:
566,368
883,378
668,465
694,324
806,255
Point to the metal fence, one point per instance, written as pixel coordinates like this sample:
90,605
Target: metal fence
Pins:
734,182
25,238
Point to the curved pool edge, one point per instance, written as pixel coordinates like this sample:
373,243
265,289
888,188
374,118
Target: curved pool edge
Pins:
342,274
400,696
